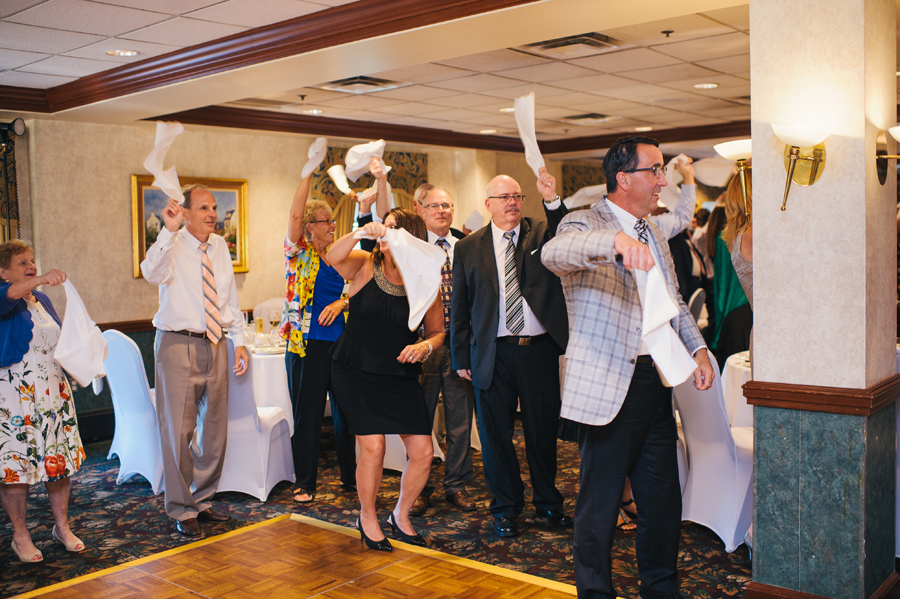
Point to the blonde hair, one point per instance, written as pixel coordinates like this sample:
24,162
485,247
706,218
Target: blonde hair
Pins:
736,220
313,207
10,250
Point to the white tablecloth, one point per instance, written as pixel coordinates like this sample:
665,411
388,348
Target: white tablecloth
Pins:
270,386
736,373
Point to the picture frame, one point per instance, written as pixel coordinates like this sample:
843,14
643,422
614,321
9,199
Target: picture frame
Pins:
147,203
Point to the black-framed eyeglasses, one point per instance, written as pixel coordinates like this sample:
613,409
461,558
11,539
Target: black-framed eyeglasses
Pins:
515,197
443,206
658,170
328,222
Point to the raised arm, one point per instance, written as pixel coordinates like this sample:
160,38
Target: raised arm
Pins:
157,265
347,261
577,246
382,195
672,223
554,209
298,206
16,291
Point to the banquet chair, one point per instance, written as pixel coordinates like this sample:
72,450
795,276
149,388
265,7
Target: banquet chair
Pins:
262,310
695,304
258,453
136,438
719,490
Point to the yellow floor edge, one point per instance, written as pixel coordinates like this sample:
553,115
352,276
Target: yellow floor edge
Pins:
150,558
498,570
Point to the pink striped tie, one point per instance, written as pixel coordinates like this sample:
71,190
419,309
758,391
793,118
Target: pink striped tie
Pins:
210,297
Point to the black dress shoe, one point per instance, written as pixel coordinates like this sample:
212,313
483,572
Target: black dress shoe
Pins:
462,500
211,515
506,527
554,517
189,528
382,545
415,539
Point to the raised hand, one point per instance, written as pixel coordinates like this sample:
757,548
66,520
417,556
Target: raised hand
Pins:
686,170
376,230
376,169
546,185
172,215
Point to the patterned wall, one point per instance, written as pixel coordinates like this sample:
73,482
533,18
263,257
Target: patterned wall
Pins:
576,175
409,170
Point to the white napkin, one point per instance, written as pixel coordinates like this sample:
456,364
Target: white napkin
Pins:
670,195
316,155
715,172
420,264
669,355
524,108
358,158
475,221
81,348
337,175
586,196
167,180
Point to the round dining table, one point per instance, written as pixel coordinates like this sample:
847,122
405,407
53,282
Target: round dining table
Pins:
737,371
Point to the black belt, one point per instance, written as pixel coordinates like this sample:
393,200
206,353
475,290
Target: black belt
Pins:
522,339
644,359
190,334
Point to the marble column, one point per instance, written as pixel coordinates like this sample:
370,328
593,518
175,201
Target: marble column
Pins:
824,303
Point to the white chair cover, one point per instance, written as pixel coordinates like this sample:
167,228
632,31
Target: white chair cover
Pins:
258,455
695,304
136,439
719,490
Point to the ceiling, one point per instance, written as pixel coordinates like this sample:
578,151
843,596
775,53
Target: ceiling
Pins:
453,76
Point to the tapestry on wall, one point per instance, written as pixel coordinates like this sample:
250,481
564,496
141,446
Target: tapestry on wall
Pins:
408,171
9,195
578,175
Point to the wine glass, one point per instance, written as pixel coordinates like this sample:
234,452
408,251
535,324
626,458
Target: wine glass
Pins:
274,321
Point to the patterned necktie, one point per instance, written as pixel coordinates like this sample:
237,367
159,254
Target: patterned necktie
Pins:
210,297
641,227
515,318
446,282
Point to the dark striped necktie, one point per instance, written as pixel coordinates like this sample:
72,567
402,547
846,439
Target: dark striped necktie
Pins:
446,282
210,297
641,227
515,318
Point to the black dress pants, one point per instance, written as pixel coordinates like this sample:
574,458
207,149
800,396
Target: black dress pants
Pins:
638,443
527,375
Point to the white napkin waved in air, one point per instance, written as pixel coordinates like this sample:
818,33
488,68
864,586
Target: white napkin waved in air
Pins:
669,354
81,349
670,195
524,109
337,175
166,180
715,172
475,221
586,196
316,155
359,156
420,265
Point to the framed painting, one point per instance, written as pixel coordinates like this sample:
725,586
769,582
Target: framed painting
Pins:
147,203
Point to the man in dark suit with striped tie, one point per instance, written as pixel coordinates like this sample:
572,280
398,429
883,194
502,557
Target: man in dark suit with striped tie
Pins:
508,328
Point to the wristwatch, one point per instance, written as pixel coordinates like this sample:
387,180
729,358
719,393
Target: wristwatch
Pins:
556,199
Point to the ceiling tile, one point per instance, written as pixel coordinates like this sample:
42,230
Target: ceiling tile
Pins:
733,112
359,102
607,106
38,39
327,110
170,7
455,114
69,67
415,93
410,108
709,47
179,29
87,17
99,50
724,81
310,94
687,27
547,72
20,79
13,59
730,65
11,7
423,73
366,115
412,121
496,60
600,84
460,100
492,120
541,92
254,13
736,16
673,72
332,2
571,99
476,83
626,60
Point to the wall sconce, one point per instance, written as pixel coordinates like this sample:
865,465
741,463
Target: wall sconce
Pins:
805,145
16,127
881,155
739,151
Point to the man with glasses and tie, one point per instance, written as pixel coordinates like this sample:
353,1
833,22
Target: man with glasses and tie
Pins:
508,325
198,302
627,427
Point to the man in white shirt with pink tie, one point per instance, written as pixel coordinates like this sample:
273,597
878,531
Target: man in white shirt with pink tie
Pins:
198,302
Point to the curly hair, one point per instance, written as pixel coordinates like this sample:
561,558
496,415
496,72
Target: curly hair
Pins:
313,208
10,250
408,220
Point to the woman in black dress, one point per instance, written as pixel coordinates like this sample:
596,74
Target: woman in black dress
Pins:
375,372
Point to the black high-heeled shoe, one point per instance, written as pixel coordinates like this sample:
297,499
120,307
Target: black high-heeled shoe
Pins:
382,545
415,539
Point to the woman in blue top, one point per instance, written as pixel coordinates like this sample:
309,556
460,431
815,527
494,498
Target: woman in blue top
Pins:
315,313
39,440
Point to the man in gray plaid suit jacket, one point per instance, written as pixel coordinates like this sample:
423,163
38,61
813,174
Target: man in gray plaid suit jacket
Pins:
611,386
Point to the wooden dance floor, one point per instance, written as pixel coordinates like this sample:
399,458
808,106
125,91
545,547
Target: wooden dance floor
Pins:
298,557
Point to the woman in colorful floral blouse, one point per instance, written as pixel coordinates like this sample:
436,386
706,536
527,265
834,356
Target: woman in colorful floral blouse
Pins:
39,440
314,318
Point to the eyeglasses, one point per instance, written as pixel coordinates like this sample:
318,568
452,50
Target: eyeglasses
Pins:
658,171
328,222
515,197
443,206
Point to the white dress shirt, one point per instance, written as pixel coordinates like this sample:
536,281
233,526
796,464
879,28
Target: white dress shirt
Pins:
532,325
174,263
450,239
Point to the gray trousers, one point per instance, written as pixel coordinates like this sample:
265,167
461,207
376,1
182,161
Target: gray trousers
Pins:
191,396
459,405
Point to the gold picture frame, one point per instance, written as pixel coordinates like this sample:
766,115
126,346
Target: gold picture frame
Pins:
146,218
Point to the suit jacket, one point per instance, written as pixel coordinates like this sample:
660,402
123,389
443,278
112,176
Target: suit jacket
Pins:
475,308
605,313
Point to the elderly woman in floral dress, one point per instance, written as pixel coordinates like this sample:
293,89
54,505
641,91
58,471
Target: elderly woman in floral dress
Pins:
39,439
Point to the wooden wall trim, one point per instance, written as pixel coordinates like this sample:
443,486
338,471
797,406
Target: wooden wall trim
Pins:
599,142
834,400
262,120
757,590
24,99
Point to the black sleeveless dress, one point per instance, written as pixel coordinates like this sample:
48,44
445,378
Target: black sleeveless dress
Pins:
378,394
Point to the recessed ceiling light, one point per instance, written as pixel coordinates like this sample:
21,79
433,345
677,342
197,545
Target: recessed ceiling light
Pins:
508,109
488,131
312,111
643,128
123,53
706,85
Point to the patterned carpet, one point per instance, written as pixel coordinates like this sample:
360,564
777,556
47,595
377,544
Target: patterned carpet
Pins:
123,523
